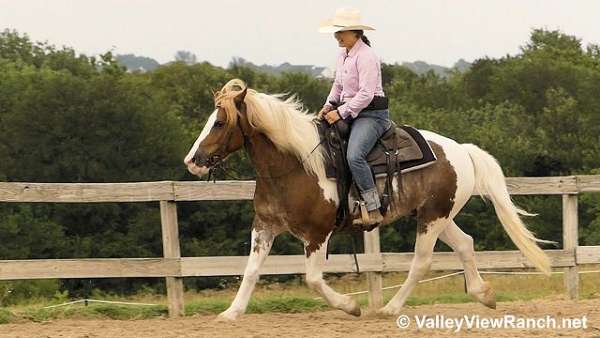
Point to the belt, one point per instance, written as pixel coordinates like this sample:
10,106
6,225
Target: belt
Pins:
378,103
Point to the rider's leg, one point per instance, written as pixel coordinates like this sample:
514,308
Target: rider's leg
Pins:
366,130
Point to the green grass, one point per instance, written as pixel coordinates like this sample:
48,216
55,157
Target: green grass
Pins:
5,316
276,303
287,304
205,306
93,311
294,297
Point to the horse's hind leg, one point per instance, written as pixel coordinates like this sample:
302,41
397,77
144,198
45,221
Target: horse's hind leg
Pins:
314,279
419,266
262,240
462,244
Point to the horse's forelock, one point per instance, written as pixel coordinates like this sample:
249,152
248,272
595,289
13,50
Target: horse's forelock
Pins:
225,99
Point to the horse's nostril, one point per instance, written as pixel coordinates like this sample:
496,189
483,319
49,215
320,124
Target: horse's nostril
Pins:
189,161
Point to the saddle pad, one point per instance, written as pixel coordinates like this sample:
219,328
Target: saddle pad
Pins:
399,143
407,164
405,144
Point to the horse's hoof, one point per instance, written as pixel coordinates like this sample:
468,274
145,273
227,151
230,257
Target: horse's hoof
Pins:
488,296
387,311
352,308
355,312
227,316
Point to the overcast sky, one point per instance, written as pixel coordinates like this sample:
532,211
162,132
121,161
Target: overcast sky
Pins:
276,31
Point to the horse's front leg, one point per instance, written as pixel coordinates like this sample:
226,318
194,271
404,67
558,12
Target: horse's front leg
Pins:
262,240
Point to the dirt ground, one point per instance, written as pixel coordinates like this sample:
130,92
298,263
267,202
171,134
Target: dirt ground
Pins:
323,324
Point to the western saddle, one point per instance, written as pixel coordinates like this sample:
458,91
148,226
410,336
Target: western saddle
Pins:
400,149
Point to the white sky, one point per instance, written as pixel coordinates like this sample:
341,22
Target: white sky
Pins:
276,31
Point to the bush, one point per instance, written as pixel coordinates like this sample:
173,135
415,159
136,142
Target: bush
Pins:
19,292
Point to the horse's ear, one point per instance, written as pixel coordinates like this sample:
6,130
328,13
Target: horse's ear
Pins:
239,98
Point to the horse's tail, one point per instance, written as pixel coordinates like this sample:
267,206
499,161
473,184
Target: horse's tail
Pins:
490,183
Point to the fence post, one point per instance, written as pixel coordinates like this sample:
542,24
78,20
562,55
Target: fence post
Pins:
374,280
570,242
170,241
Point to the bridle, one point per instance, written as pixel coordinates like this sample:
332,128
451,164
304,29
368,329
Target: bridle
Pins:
216,161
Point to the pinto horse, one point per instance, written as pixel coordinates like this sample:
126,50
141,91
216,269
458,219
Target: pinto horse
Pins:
293,194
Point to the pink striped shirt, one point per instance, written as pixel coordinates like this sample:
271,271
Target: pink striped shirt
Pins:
357,79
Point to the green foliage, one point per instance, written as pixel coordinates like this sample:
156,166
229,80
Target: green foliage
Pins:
281,304
5,316
589,215
20,292
128,312
27,232
93,311
286,304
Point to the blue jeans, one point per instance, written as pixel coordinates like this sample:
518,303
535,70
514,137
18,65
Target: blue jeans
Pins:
366,129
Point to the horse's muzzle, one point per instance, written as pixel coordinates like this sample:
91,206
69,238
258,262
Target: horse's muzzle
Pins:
202,160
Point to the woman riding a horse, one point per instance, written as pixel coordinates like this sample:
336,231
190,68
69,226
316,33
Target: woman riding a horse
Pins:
357,97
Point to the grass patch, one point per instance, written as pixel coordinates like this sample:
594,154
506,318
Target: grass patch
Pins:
286,304
93,311
280,304
129,312
206,306
444,298
5,316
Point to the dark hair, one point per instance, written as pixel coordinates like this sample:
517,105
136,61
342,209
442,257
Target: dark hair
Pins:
361,34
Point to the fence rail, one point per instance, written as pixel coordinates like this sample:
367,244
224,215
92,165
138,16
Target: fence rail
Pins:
174,268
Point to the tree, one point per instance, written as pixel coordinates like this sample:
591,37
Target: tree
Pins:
186,57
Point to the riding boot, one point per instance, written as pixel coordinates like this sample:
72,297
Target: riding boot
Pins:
367,220
370,216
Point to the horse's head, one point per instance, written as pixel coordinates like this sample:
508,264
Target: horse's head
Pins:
224,131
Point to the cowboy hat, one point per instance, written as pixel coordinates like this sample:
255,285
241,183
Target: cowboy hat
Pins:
345,19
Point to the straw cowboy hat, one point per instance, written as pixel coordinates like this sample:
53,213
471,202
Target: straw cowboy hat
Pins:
345,19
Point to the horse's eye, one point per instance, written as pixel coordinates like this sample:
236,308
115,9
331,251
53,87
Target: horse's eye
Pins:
219,124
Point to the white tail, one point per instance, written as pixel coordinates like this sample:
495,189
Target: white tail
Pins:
490,183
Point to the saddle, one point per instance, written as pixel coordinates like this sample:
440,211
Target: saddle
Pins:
400,149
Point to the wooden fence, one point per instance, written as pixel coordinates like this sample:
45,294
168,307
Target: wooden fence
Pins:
174,267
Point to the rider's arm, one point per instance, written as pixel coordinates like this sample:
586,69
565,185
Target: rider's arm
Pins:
336,88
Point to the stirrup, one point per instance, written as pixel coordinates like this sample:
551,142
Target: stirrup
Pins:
364,221
364,213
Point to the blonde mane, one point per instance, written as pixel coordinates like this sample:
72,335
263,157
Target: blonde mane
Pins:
284,121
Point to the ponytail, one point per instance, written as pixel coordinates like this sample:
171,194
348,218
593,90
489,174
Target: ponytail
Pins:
365,40
361,34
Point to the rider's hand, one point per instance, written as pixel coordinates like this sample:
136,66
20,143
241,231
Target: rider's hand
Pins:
332,116
324,111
